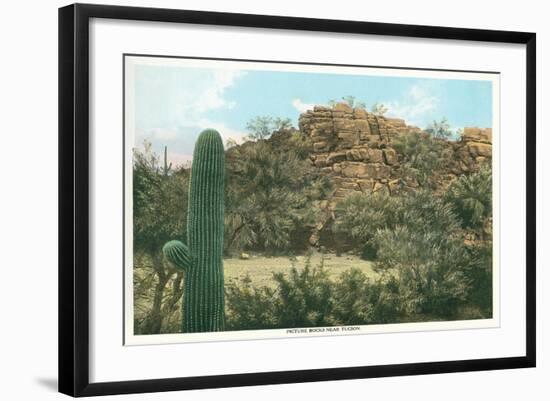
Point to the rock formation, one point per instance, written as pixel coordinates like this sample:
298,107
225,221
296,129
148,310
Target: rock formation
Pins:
354,149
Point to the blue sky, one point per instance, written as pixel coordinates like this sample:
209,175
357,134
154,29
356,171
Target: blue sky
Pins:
174,103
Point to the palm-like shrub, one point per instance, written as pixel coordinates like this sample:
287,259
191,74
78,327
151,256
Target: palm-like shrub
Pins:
360,215
270,194
471,198
423,158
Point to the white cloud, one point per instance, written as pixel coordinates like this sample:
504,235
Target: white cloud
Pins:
212,96
418,105
176,108
301,106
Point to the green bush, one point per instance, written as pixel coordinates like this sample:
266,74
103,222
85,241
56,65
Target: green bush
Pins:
471,198
430,270
418,240
361,216
304,299
423,158
309,298
270,195
249,307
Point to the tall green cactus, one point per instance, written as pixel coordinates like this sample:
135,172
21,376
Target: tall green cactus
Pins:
202,258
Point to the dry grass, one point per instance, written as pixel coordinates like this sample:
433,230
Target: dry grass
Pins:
260,268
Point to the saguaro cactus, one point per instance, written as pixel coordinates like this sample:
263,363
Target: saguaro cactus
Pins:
202,257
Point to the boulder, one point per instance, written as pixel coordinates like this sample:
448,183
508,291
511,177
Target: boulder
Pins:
344,124
320,146
365,185
390,156
320,160
380,188
354,154
375,156
336,157
356,169
363,127
343,107
480,149
360,113
347,139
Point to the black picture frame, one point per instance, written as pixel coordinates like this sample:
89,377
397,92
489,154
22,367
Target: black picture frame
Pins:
74,198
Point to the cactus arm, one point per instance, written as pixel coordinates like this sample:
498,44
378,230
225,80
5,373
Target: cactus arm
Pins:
178,253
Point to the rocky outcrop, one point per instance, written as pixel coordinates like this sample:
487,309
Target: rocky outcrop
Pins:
354,148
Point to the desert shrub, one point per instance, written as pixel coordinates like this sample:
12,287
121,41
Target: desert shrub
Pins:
261,127
309,298
301,299
423,158
418,239
361,300
351,298
159,214
368,252
471,198
427,255
430,269
304,299
480,276
359,216
270,195
440,129
249,307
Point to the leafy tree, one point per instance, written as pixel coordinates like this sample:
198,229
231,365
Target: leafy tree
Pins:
159,207
379,109
440,129
352,101
262,127
349,100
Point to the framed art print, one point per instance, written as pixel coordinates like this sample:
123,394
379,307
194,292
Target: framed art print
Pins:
296,199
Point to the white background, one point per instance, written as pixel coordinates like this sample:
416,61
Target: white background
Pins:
110,361
28,217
